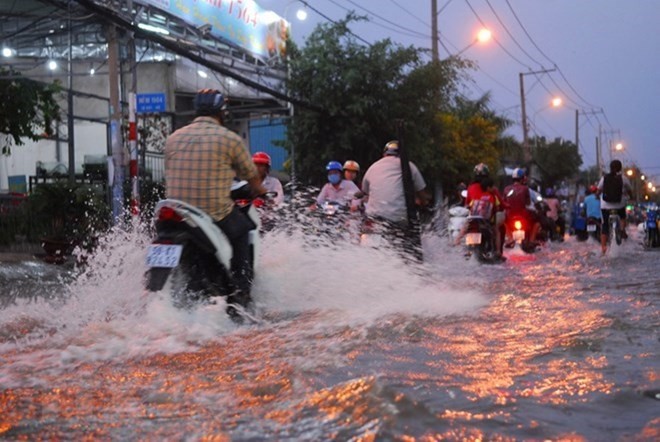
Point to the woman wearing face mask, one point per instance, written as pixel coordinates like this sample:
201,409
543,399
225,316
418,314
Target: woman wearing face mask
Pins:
337,189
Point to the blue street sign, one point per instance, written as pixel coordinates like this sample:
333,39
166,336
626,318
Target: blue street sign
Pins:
150,103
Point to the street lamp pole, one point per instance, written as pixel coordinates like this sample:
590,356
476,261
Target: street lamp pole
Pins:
527,152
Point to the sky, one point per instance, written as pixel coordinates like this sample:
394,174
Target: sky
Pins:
606,54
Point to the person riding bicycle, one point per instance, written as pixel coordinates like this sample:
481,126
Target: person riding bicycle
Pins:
613,188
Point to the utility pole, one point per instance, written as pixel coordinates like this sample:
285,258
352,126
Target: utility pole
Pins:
434,30
115,125
527,151
132,123
69,105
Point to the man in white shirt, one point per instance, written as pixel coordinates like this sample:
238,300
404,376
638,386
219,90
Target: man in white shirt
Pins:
613,189
270,183
383,185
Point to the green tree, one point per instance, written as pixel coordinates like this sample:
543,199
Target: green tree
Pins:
557,160
360,91
469,133
28,108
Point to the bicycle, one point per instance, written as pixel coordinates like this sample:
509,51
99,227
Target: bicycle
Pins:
614,223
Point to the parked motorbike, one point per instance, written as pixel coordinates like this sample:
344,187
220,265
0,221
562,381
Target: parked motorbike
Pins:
193,253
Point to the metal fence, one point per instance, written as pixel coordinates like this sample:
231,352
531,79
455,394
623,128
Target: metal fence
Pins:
154,166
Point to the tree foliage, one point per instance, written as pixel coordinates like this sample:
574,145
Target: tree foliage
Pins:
470,133
361,91
28,108
557,160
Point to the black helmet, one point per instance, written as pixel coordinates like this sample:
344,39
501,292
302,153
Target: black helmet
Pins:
209,102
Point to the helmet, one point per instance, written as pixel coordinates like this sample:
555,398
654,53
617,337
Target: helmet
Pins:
209,102
352,166
549,192
481,170
334,165
391,148
593,189
261,158
518,173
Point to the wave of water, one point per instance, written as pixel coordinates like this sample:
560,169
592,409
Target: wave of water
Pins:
104,313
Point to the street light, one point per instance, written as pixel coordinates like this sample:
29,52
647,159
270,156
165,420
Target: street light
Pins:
555,102
484,35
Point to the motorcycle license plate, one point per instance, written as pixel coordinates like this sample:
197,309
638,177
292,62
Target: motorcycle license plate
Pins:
591,228
472,239
164,255
518,235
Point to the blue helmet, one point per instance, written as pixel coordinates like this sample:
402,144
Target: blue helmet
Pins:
518,173
209,102
334,165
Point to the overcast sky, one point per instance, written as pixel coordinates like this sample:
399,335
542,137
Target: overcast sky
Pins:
607,50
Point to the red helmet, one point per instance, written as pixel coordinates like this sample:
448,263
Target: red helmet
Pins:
593,189
261,158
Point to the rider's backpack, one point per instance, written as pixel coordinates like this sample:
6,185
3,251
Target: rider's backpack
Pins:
612,188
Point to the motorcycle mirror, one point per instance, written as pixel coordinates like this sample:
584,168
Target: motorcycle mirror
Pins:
464,193
359,195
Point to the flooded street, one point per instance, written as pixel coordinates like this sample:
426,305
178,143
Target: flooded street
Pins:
350,344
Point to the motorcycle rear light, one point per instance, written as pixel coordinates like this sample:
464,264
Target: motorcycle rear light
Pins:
242,202
517,225
169,214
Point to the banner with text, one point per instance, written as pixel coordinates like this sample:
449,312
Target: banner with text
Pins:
240,22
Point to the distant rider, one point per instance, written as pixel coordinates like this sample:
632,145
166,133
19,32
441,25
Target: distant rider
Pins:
474,192
383,186
351,171
263,163
518,199
592,204
553,214
612,187
201,161
337,189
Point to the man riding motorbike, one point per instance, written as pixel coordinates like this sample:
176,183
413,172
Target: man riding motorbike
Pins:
201,161
518,199
262,161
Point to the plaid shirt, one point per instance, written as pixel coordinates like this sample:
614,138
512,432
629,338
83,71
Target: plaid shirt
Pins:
201,160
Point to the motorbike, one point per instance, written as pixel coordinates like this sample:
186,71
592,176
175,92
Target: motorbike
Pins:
579,222
521,229
193,253
651,233
593,227
480,239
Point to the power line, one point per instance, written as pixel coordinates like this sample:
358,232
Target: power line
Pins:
495,39
407,31
333,21
511,35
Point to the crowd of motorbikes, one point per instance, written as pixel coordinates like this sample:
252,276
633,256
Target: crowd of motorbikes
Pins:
192,254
